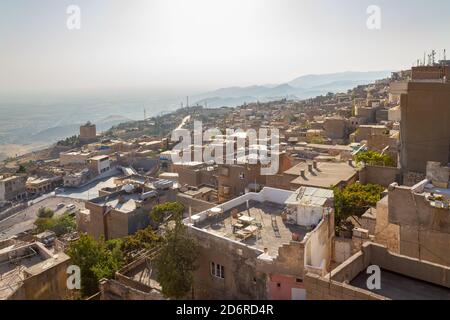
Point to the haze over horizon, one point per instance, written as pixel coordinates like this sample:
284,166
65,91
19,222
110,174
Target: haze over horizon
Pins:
175,47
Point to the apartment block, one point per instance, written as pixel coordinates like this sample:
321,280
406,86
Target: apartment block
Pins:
122,212
425,119
13,187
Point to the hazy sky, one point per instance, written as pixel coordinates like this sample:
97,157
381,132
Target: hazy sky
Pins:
195,45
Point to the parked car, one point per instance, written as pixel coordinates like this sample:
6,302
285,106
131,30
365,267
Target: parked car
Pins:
60,205
71,206
59,190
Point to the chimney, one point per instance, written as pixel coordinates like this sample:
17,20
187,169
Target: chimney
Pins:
310,167
315,164
302,173
350,163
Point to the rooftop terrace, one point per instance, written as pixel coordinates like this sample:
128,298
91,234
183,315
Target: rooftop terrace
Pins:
269,228
402,277
326,175
18,263
399,287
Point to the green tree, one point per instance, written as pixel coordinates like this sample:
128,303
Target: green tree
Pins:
374,158
178,253
167,211
45,212
96,259
354,200
64,224
59,225
145,239
22,169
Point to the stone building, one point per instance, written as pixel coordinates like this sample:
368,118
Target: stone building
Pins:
120,213
12,187
256,247
418,217
335,128
425,118
32,272
88,133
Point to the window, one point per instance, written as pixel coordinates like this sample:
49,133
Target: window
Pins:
241,176
217,270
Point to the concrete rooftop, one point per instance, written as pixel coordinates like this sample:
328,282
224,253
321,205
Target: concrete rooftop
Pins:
398,287
327,174
271,235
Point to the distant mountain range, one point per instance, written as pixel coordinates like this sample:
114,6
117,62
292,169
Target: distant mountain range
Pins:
29,124
303,87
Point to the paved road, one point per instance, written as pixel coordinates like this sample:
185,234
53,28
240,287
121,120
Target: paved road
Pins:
186,119
24,220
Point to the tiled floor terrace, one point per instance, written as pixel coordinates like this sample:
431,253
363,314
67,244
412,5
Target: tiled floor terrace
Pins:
273,232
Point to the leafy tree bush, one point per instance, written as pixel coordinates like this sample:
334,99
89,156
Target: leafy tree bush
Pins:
167,211
145,239
69,142
96,259
354,200
45,212
176,259
60,225
317,140
374,158
22,169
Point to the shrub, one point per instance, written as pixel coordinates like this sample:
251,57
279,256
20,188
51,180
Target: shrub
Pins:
374,158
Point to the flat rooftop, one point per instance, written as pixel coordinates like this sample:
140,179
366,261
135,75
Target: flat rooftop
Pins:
273,232
98,158
18,263
123,202
399,287
327,174
329,147
143,273
10,178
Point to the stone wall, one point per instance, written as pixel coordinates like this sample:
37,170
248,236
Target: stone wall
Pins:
197,205
424,229
383,176
334,286
386,233
241,280
115,290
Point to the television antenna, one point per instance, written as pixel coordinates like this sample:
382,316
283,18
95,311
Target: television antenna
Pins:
433,57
